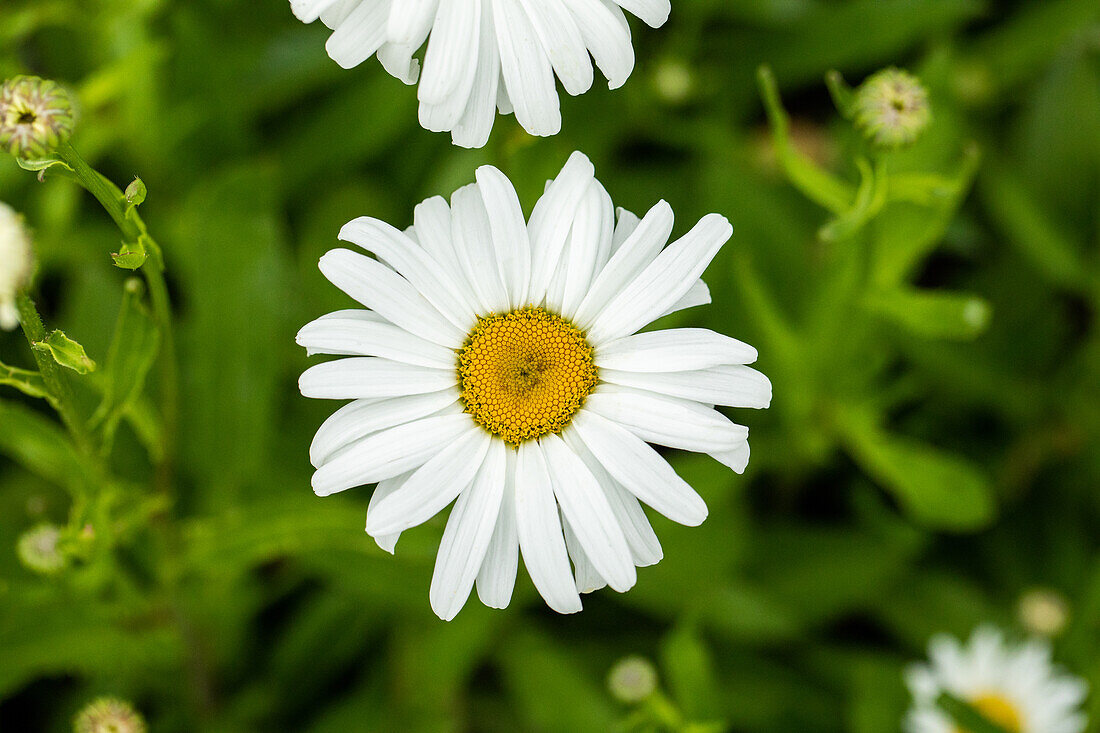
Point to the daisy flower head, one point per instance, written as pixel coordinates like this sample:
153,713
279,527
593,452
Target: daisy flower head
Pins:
498,365
1015,685
482,56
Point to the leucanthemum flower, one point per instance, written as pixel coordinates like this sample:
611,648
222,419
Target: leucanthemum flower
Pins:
487,55
1016,686
16,264
499,367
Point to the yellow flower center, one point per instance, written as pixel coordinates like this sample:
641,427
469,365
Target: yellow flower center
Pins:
525,374
997,709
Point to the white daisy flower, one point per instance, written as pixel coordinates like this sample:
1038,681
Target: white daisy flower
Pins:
485,55
16,264
1016,686
499,366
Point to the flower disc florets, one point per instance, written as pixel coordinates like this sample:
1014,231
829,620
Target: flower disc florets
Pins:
109,715
891,108
36,116
525,374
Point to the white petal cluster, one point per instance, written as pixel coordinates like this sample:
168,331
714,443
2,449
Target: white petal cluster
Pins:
572,497
487,55
16,264
1022,677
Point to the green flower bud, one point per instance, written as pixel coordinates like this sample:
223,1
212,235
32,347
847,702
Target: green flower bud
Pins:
891,108
109,715
632,680
16,264
36,117
39,551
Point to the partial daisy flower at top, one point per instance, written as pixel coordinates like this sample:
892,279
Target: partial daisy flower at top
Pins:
1016,686
499,366
485,55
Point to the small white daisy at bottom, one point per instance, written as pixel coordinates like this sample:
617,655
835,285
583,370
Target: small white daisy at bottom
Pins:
1016,686
499,366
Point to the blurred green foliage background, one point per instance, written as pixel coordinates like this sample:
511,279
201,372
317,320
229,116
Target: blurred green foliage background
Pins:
921,468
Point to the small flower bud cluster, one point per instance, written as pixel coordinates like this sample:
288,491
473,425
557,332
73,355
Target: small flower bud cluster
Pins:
632,680
891,108
16,264
36,117
109,715
39,550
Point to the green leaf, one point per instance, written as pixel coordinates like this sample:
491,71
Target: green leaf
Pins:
954,316
967,716
870,198
132,354
51,165
132,255
28,382
689,670
66,352
135,193
942,490
41,446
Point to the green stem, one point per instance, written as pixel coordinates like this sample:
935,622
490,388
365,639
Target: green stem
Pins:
61,393
113,201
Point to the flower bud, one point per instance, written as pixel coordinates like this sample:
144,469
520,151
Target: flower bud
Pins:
632,679
891,108
16,264
36,116
109,715
1043,612
39,550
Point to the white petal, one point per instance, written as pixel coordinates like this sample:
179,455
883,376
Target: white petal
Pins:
414,264
588,578
644,545
410,21
335,14
357,336
699,294
731,386
497,577
585,507
563,44
540,534
387,543
632,258
552,220
736,459
476,123
360,418
653,12
673,350
308,11
667,279
667,421
473,241
528,76
432,486
640,469
360,35
607,36
362,377
591,233
391,452
452,49
397,59
509,232
393,297
626,223
466,539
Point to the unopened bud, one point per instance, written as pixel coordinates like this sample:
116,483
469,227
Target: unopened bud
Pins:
632,679
39,550
109,715
36,116
1043,612
891,108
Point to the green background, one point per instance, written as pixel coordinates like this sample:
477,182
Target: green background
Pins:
916,473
